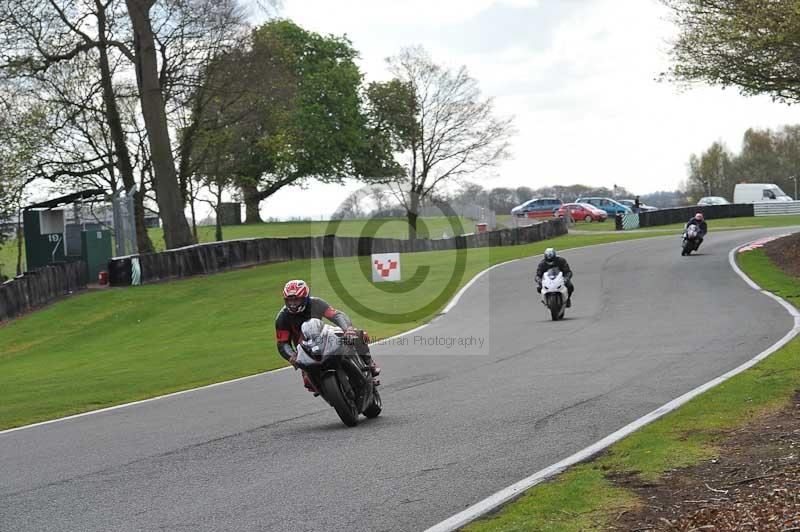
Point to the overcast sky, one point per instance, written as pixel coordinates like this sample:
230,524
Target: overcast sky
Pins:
578,75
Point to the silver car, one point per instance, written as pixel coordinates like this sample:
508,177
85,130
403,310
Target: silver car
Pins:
713,200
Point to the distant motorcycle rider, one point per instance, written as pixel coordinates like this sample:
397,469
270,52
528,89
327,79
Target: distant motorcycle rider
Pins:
552,260
699,221
299,307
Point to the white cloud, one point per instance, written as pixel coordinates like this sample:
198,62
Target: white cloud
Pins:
578,75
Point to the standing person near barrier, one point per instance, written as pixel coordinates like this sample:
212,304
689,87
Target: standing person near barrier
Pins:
299,307
552,260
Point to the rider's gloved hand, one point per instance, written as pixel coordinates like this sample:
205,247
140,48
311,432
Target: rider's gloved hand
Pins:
350,334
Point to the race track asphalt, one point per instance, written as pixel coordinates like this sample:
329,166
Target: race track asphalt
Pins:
458,424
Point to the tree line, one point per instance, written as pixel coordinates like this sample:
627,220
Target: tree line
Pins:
184,101
378,202
766,156
751,46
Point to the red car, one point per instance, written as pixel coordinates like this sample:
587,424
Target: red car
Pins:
583,211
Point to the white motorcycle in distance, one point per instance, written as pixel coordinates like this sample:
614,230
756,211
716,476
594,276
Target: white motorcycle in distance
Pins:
555,293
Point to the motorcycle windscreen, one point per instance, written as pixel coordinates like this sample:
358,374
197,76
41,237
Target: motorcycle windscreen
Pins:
331,343
553,279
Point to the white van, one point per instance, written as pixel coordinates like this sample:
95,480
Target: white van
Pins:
758,192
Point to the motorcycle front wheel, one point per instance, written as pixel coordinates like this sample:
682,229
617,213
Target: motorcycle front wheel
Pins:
331,388
554,304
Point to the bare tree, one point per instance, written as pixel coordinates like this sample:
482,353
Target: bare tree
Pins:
80,54
443,129
70,50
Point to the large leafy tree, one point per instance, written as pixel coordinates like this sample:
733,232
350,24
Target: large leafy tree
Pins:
441,127
748,44
285,107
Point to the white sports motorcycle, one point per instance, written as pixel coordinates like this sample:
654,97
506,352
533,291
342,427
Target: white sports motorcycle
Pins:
337,372
555,293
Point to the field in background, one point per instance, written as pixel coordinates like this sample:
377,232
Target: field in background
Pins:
112,346
428,227
8,257
435,227
431,227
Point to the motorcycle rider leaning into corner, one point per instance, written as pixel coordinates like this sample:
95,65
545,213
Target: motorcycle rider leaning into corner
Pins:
552,260
702,226
299,307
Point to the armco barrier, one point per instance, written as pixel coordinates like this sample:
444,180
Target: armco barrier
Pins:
776,207
215,257
630,221
38,287
682,214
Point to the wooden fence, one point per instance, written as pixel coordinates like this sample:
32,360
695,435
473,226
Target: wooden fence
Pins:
220,256
38,287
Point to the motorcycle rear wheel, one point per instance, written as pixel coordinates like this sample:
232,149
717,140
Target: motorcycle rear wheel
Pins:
346,409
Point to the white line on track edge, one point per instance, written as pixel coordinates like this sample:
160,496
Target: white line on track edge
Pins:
490,503
240,379
449,307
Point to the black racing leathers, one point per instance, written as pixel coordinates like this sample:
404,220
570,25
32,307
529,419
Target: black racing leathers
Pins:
702,226
288,327
562,265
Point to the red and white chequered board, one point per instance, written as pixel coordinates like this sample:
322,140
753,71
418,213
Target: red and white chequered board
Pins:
385,267
759,243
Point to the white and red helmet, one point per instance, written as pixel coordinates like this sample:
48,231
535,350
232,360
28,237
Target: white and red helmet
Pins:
295,296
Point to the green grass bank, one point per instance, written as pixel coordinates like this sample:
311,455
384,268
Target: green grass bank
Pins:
112,346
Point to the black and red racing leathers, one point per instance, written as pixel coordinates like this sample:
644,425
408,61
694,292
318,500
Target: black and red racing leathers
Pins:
287,325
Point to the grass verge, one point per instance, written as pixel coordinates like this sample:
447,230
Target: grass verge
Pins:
584,498
118,345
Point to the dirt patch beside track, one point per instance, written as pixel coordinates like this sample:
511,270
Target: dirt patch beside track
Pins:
753,484
785,253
